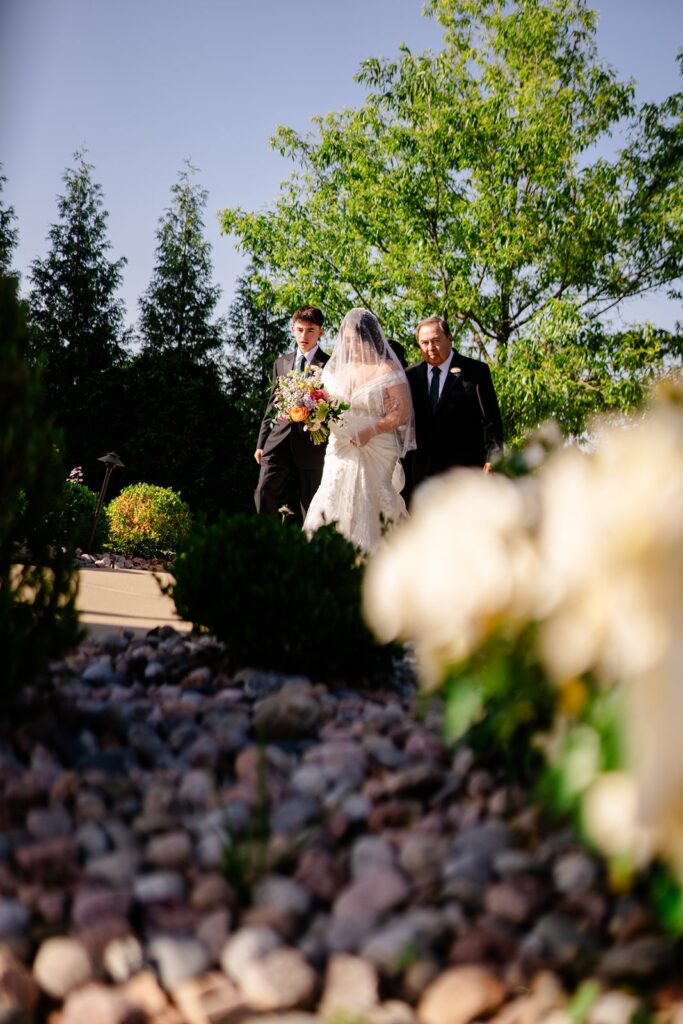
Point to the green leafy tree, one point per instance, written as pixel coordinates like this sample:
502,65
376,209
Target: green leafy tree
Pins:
570,370
177,310
8,233
468,183
77,320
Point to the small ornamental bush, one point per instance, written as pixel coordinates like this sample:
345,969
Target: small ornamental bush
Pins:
38,617
72,525
148,521
279,601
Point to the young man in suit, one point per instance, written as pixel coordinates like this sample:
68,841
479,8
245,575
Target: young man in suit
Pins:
291,465
457,418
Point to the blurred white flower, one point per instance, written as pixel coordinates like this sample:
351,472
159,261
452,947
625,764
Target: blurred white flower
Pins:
610,814
462,565
591,549
611,546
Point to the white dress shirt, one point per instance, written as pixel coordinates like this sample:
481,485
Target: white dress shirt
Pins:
443,367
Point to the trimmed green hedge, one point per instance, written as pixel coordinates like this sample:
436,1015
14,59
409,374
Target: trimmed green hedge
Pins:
279,601
148,521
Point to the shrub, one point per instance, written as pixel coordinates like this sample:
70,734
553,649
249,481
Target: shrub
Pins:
277,600
148,521
38,617
72,524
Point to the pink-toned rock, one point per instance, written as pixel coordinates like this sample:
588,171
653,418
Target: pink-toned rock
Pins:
392,1012
321,873
95,1002
375,893
17,987
281,980
172,850
145,992
351,987
92,902
211,999
460,995
290,714
35,859
213,930
61,965
211,891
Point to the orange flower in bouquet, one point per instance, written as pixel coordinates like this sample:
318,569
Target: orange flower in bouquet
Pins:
301,398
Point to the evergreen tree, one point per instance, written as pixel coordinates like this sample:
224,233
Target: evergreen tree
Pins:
257,334
76,319
178,306
8,233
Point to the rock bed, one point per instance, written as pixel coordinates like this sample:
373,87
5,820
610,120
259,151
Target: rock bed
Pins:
178,843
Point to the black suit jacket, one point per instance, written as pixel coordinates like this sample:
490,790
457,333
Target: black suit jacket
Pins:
272,435
465,430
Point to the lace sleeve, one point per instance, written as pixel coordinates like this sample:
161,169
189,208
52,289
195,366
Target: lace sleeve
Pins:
398,408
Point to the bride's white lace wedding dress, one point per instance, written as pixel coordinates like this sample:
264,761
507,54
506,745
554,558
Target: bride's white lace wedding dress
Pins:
360,487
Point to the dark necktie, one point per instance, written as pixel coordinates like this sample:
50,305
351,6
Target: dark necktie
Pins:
434,388
301,362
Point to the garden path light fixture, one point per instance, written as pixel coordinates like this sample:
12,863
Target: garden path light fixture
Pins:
111,461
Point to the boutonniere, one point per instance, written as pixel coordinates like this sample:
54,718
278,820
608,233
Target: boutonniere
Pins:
456,371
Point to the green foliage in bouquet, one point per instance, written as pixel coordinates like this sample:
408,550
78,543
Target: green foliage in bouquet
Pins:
279,601
38,617
148,521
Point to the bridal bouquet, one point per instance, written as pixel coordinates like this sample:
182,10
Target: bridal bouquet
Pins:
301,398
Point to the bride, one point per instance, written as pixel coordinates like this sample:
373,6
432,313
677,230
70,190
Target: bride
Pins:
362,474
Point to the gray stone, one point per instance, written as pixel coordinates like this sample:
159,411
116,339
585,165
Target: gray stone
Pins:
291,816
466,876
281,980
249,943
392,946
356,808
293,713
283,895
370,853
640,960
100,671
197,787
172,850
557,939
177,958
375,892
15,918
348,934
158,887
49,823
115,868
310,779
488,839
574,872
91,839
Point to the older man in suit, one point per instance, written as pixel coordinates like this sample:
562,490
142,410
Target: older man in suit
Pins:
291,465
457,418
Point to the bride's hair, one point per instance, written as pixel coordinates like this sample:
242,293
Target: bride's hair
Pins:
369,330
370,377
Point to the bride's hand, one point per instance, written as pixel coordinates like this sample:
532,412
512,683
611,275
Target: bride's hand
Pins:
363,436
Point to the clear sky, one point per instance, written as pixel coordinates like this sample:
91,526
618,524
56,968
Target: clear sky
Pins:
146,84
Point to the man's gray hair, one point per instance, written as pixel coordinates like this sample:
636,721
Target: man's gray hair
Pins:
443,324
